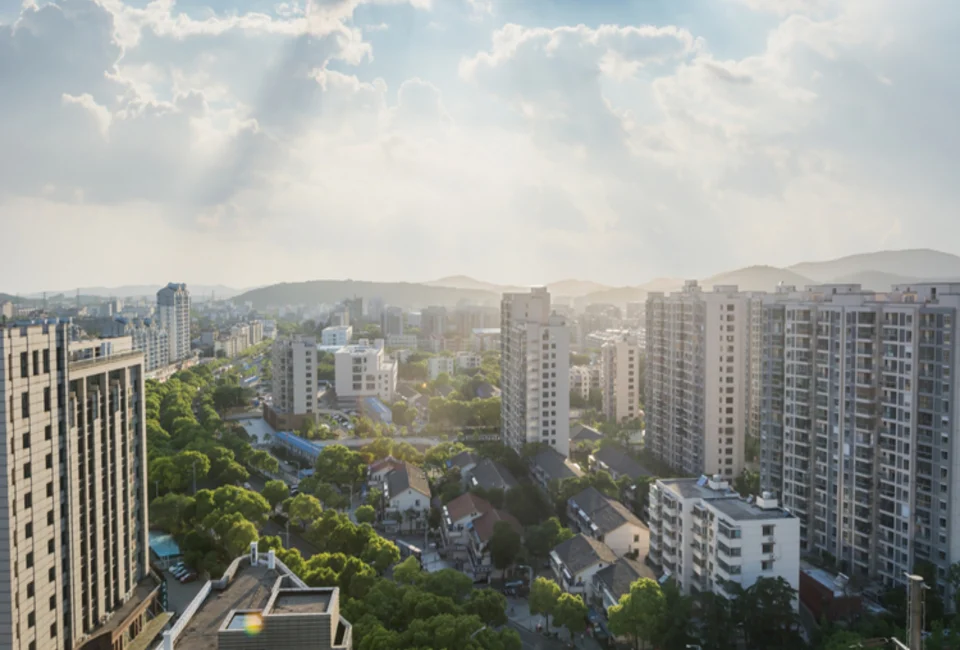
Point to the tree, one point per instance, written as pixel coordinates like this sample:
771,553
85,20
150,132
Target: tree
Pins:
571,613
233,473
408,572
674,629
171,512
191,465
341,466
541,539
275,492
438,455
717,624
366,515
263,462
165,474
304,509
489,605
544,594
373,497
747,483
504,545
768,615
240,534
639,611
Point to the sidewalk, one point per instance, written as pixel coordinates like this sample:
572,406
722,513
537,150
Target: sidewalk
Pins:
518,611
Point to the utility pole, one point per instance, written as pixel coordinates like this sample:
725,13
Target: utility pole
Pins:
915,589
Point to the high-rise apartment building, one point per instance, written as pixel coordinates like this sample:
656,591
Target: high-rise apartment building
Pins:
620,378
535,372
73,493
697,378
391,322
294,382
173,313
864,445
147,337
364,370
433,321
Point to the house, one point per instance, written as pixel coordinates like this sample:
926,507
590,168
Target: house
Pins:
583,433
615,460
577,560
405,489
465,461
411,396
612,582
490,475
458,515
550,465
377,472
479,534
608,521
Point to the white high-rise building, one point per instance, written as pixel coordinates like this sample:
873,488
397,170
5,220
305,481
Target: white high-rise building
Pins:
336,335
294,381
535,372
620,378
709,539
148,337
173,312
697,378
858,432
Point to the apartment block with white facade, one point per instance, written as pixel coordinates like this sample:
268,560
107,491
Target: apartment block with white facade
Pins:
865,449
697,357
581,380
147,337
535,372
706,536
620,378
173,314
437,366
468,360
336,335
364,370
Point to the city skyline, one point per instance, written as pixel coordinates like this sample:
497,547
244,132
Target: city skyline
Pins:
246,143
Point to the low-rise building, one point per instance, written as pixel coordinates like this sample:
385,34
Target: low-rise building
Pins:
612,582
260,603
480,532
725,539
609,521
406,488
404,341
583,433
411,396
437,366
457,517
363,370
336,335
377,472
616,461
465,461
550,465
468,361
576,561
490,475
485,339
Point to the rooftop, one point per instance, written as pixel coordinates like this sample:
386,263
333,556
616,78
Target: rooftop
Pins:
491,475
695,488
741,510
581,552
605,513
485,524
467,504
250,588
582,433
312,601
616,458
555,465
618,577
408,476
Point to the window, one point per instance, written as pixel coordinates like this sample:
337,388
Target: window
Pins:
767,565
53,631
25,404
49,461
50,545
36,362
28,500
767,531
30,590
50,489
636,538
28,531
53,603
767,548
26,440
46,361
27,470
46,399
24,365
50,518
31,619
52,574
30,560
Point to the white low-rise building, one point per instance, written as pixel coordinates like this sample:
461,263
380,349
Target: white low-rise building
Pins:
402,341
608,521
337,335
437,366
707,537
363,370
468,361
406,489
576,561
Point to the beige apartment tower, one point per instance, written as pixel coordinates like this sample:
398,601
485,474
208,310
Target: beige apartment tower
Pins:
620,378
697,386
74,570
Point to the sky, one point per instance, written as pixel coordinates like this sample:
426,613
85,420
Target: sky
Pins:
246,142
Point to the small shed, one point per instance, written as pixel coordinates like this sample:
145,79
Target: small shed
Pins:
164,550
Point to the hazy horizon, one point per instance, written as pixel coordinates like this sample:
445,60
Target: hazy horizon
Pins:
516,142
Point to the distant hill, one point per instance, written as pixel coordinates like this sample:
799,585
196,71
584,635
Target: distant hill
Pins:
575,288
135,291
401,294
757,278
875,280
466,282
914,263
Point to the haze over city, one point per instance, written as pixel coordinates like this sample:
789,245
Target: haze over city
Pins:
515,142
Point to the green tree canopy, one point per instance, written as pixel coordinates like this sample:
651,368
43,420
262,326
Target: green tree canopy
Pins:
639,612
544,594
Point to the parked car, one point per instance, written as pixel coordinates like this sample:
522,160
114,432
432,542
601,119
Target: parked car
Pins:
189,577
180,571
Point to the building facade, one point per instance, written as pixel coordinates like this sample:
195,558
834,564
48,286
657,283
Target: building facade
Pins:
147,337
173,314
620,378
74,488
864,446
440,365
697,378
294,381
707,537
535,372
336,335
364,370
391,322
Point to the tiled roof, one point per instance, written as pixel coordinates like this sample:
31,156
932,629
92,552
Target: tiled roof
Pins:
581,552
618,577
463,459
616,458
466,504
485,524
408,476
606,513
555,465
582,433
493,476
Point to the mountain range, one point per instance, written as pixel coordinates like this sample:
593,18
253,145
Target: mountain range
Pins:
875,271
